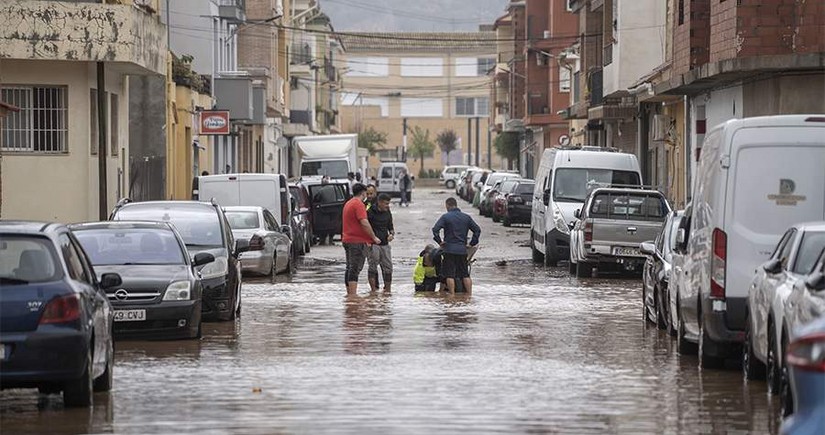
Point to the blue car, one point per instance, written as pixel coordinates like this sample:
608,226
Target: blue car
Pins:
806,360
55,319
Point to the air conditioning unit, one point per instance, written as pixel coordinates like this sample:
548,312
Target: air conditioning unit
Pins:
546,34
661,127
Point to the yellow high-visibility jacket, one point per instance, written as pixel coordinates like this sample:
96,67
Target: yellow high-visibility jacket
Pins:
421,271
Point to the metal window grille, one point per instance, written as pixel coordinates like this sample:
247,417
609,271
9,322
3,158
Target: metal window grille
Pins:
41,125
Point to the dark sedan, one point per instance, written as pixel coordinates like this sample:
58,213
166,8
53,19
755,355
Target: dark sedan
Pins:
55,319
160,297
301,218
204,229
519,204
656,273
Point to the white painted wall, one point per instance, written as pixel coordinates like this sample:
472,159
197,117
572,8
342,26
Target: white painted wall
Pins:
719,106
63,187
640,45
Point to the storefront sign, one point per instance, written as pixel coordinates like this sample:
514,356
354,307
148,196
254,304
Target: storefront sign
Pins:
214,122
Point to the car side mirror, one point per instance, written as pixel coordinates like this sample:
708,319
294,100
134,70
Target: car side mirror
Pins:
286,229
546,197
241,246
578,213
680,238
648,248
202,258
816,281
109,280
773,266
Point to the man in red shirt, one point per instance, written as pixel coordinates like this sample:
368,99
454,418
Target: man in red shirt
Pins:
357,236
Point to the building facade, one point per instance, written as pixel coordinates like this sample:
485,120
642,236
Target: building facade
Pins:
430,81
51,145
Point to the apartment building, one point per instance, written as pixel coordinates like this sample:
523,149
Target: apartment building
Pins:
51,141
433,81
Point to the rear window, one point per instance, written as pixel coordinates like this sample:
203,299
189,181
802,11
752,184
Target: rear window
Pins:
525,188
243,220
197,224
628,206
331,169
116,246
507,186
27,259
327,193
571,184
809,250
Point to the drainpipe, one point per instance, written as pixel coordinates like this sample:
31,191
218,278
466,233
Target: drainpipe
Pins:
101,143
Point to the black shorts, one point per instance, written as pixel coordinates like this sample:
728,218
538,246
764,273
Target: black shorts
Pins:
454,266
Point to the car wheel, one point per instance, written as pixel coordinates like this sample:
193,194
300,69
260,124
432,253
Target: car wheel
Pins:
660,310
706,360
307,243
538,257
450,184
274,269
506,221
571,267
752,368
104,382
683,345
78,393
199,334
671,327
237,311
772,371
549,260
785,395
584,270
496,219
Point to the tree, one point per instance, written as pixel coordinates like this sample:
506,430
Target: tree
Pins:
448,141
421,145
507,146
372,140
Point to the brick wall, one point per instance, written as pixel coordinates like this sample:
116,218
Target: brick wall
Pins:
691,38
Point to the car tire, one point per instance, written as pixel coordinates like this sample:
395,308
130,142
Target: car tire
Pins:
786,404
538,257
104,382
707,361
660,313
496,219
571,267
683,345
752,368
236,312
273,271
549,261
307,243
772,370
506,222
449,184
584,269
199,334
77,393
671,327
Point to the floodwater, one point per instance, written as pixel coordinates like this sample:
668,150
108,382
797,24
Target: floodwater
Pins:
532,350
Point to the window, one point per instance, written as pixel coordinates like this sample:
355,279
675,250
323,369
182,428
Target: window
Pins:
564,79
27,258
570,184
118,246
808,252
113,126
72,258
485,64
472,106
243,220
422,67
473,66
391,154
629,206
94,140
368,67
197,226
41,125
681,12
422,107
356,99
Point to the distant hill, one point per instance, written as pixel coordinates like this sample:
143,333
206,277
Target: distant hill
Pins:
411,15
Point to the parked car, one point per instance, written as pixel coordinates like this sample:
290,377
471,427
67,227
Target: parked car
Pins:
55,319
389,174
269,191
301,217
806,362
792,259
204,228
561,187
478,179
484,205
270,249
327,200
755,176
160,296
657,272
464,183
611,227
680,264
449,176
519,203
499,201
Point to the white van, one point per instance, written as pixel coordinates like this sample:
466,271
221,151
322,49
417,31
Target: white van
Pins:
449,176
756,177
388,177
561,187
269,191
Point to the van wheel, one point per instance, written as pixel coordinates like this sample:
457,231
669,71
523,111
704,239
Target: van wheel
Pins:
584,270
538,257
683,346
752,368
571,267
549,261
78,393
707,361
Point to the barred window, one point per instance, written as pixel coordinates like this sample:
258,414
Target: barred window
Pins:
472,106
41,125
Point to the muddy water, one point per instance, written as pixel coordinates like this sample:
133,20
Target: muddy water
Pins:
532,350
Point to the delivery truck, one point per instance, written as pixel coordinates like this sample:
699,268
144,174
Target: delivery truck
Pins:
332,155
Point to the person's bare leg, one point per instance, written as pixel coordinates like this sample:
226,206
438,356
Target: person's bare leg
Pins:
352,288
451,285
468,285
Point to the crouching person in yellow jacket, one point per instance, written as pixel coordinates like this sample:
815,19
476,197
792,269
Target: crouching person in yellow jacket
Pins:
425,275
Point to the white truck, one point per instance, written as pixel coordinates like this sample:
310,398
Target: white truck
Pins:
332,155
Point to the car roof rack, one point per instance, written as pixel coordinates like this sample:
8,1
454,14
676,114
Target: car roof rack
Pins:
593,185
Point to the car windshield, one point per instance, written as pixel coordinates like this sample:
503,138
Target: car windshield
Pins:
243,220
525,188
197,224
507,186
809,250
332,169
570,184
27,259
118,246
630,206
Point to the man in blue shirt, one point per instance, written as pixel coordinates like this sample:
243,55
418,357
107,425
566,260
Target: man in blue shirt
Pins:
456,225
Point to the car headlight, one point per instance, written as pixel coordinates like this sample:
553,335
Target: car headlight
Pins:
178,291
558,219
215,269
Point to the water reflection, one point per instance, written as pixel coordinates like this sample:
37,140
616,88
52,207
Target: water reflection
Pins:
368,324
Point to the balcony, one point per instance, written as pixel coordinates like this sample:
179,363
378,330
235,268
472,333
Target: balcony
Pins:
130,37
300,117
233,11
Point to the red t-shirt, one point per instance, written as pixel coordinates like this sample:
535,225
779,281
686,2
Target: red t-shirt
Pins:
353,232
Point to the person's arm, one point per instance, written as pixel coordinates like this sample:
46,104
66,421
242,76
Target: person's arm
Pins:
391,229
476,232
361,215
437,230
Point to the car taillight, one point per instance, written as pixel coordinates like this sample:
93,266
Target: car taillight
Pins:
717,264
808,353
256,243
62,309
588,231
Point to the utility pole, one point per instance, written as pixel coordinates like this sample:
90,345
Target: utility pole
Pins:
101,141
404,143
469,141
489,148
478,141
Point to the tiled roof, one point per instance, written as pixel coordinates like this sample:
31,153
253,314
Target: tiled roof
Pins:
419,41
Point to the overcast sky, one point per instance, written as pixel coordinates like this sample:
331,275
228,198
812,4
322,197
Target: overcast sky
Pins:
412,15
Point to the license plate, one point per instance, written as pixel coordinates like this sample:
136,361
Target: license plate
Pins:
627,252
130,315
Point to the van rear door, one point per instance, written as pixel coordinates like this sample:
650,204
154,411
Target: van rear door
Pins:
775,180
327,207
262,191
223,188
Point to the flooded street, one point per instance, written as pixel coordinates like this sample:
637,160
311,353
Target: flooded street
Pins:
532,350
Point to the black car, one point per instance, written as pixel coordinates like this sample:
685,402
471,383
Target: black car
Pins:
301,218
519,204
204,228
327,200
55,319
160,297
656,273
